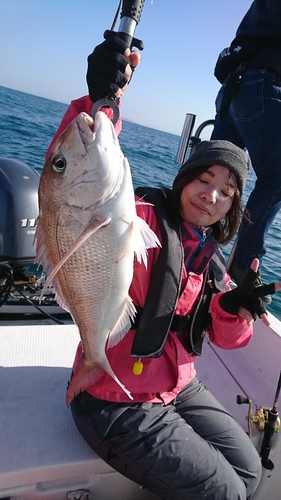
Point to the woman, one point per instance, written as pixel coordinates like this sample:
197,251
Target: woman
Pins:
175,439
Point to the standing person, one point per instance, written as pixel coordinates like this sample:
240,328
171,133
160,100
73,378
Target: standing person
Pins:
175,439
248,113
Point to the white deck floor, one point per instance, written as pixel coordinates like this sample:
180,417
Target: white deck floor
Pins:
42,454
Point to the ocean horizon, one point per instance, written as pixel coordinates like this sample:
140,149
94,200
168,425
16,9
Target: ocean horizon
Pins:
28,124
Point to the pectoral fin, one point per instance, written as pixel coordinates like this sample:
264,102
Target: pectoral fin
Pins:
144,238
94,225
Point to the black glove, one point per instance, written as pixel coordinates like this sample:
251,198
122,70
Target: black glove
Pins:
247,295
106,67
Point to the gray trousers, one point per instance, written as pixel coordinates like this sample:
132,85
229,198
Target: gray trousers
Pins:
189,449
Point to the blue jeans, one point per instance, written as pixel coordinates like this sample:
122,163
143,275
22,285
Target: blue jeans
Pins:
253,122
189,449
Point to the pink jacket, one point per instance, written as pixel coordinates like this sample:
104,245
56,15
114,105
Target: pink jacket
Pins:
161,378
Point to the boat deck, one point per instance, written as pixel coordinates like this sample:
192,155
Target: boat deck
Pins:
43,456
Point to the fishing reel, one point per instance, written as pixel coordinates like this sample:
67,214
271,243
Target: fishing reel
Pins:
260,418
266,419
21,287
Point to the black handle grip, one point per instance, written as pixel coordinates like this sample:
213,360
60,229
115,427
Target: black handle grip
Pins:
130,17
240,400
130,41
132,9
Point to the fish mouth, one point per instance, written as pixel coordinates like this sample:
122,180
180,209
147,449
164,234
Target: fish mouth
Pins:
101,171
97,129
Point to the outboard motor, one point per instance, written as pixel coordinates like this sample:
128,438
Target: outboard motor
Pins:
18,212
21,281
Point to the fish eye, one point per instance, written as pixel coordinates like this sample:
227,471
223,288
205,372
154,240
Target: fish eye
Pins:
59,164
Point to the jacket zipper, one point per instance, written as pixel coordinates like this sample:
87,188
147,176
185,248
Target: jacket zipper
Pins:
202,239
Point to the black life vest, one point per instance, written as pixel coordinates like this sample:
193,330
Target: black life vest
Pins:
154,321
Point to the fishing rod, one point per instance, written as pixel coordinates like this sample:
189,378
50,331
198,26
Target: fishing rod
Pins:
270,428
266,419
130,17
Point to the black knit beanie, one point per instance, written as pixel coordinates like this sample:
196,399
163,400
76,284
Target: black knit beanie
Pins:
223,153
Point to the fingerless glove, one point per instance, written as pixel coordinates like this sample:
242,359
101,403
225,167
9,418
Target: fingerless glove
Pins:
106,67
247,296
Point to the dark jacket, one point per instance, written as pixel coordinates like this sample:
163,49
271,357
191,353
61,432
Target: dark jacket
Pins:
257,42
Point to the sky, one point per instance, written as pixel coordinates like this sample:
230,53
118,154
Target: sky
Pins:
44,46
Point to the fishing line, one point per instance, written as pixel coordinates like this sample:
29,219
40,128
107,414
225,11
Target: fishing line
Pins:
116,15
6,272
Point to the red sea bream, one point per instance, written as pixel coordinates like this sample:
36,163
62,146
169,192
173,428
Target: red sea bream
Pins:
87,235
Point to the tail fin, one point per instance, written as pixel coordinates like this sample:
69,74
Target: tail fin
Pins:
87,375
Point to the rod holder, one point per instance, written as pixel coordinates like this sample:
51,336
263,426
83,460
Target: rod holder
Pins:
185,138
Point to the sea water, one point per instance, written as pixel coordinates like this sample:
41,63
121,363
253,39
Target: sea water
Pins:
28,123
